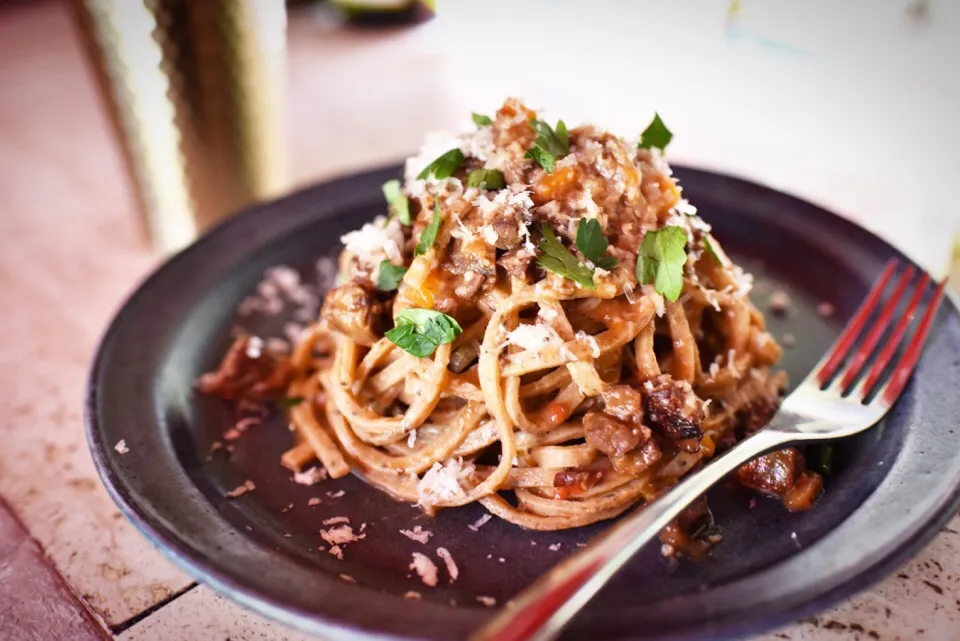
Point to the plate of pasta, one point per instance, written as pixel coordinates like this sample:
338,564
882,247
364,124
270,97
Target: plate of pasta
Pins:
383,405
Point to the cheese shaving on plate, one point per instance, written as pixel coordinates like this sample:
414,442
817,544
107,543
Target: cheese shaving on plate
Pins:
417,534
448,561
425,568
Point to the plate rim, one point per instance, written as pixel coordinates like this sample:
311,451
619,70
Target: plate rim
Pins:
316,622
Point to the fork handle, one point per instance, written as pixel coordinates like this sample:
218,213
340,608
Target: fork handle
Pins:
541,611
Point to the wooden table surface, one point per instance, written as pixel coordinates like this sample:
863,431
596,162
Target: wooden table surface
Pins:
72,249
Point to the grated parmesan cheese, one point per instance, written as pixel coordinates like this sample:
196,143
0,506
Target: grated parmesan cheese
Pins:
336,519
240,490
121,447
587,204
485,205
310,477
461,231
479,144
591,342
412,595
489,234
479,523
313,501
448,561
417,534
711,297
488,601
533,337
254,347
412,438
336,551
779,302
425,569
555,546
684,207
340,535
442,482
547,313
435,144
285,278
326,272
657,299
744,281
375,241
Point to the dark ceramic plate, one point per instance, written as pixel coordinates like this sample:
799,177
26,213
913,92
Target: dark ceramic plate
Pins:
893,487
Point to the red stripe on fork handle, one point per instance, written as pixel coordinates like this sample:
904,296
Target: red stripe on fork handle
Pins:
852,330
879,327
894,341
535,615
902,374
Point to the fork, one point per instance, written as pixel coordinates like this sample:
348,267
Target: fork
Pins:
852,387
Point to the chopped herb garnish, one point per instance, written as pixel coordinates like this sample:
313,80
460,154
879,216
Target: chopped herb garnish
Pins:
290,401
708,246
656,135
421,331
486,179
593,244
389,276
560,260
550,144
481,120
444,166
543,158
399,205
660,261
429,234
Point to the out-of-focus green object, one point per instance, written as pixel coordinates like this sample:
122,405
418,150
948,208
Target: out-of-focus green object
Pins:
194,89
386,12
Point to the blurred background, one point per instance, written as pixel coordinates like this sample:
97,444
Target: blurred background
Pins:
128,127
212,105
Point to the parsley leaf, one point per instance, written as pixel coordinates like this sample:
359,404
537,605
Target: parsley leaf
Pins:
708,246
399,204
290,401
560,260
543,158
481,120
656,135
429,235
444,166
486,179
389,276
421,331
550,144
660,261
592,243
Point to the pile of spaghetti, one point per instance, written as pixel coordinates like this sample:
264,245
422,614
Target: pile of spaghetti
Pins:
541,324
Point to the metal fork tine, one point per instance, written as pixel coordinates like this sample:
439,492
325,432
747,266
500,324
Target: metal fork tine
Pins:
898,380
860,357
856,324
893,343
